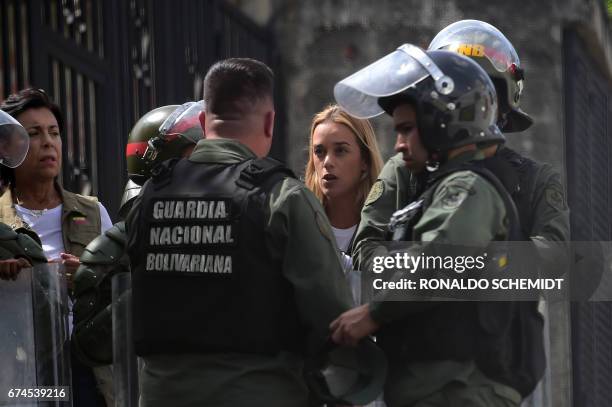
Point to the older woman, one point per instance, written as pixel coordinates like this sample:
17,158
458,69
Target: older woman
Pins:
343,163
64,221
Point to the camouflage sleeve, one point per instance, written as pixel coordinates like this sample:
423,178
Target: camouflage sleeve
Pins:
551,224
394,189
465,209
9,247
299,234
15,244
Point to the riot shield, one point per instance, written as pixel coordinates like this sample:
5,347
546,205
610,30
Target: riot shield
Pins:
125,363
14,141
34,336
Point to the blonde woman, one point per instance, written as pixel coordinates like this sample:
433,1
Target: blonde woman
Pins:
343,163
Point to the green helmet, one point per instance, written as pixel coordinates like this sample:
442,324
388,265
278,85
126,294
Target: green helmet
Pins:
486,45
161,134
454,98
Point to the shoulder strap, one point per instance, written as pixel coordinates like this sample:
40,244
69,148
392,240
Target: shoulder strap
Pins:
257,177
525,170
260,170
161,174
515,233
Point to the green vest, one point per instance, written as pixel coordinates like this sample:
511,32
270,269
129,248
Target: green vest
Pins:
80,219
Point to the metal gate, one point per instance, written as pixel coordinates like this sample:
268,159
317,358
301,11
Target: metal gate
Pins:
589,169
107,62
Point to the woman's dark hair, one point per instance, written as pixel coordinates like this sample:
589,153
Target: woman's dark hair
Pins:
18,103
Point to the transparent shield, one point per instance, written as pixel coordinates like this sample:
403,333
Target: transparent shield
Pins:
14,141
125,363
34,338
358,94
17,345
475,39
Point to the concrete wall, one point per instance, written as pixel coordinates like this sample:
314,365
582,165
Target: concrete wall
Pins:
323,41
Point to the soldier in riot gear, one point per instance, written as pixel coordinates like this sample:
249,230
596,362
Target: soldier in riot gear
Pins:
439,352
163,133
487,46
18,248
538,191
234,265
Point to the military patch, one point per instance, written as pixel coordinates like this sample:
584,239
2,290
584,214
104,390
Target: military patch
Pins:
324,227
453,197
554,197
375,192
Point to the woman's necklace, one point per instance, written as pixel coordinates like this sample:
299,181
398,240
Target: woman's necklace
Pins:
36,213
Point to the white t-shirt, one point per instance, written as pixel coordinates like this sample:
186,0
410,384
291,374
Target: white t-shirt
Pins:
343,239
344,236
48,226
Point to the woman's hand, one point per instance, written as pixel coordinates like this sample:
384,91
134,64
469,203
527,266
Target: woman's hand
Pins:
11,267
71,264
353,325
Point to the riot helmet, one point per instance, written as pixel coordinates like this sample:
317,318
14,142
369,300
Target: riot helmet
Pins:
161,134
486,45
454,98
14,141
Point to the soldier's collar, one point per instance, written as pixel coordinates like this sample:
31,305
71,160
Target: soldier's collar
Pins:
464,157
221,151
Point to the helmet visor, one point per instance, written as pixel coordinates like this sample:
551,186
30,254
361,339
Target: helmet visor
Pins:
14,141
477,39
184,118
358,94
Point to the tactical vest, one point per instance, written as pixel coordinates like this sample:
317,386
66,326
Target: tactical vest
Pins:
505,339
518,174
203,279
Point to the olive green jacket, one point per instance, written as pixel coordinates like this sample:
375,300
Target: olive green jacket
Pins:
465,209
396,187
298,232
19,243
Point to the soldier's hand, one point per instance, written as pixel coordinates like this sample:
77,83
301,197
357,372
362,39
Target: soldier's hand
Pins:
353,325
11,267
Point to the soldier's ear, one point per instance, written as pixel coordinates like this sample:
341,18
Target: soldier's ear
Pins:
202,117
269,123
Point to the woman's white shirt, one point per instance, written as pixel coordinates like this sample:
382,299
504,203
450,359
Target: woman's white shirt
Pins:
344,237
48,226
353,277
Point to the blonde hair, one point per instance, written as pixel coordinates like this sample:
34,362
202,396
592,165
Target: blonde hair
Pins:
368,147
